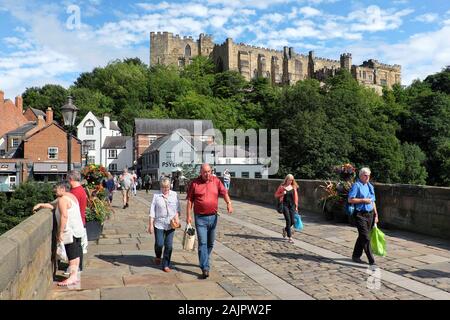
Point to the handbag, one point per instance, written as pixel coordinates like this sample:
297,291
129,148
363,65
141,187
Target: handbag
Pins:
174,223
280,206
189,238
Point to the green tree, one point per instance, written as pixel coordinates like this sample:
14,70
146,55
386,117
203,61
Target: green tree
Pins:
201,72
229,84
440,81
413,172
50,95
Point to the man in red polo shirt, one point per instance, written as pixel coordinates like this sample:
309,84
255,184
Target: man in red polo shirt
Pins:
74,178
204,194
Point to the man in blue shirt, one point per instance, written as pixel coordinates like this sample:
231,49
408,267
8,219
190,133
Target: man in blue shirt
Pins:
362,196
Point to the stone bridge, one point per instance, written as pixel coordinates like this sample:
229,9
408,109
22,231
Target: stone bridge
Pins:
250,258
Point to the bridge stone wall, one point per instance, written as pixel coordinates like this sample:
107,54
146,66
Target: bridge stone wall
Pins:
26,271
421,209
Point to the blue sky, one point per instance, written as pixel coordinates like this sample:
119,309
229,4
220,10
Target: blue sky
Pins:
44,42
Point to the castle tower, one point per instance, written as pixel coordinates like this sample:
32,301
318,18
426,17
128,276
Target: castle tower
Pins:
205,45
311,69
346,61
159,47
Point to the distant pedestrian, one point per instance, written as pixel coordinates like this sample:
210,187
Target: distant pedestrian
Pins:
110,186
126,180
362,195
135,182
164,208
287,194
182,183
204,194
227,179
147,182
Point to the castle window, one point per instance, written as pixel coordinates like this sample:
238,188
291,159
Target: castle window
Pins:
187,51
383,82
370,77
364,75
181,62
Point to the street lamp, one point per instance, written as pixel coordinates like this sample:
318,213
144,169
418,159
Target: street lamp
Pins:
69,113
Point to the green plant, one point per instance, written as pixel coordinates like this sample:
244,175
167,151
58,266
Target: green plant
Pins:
98,210
336,192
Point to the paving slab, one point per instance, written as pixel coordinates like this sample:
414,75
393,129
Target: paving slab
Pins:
165,292
124,293
202,290
76,295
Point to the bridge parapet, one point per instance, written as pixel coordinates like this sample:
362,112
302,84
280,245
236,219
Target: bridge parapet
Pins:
26,271
421,209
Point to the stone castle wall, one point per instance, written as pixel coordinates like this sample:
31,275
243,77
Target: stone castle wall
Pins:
280,66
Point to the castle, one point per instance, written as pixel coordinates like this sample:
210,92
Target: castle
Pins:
281,67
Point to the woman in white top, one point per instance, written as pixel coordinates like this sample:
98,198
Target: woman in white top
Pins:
165,207
70,228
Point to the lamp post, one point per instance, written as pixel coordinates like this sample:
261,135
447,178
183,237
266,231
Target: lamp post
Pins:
69,113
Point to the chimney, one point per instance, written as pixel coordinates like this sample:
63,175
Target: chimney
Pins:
106,121
49,116
19,103
40,122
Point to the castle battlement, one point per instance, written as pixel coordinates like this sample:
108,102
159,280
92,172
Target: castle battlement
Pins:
296,66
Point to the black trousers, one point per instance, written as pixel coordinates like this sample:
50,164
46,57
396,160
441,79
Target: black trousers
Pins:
364,223
288,212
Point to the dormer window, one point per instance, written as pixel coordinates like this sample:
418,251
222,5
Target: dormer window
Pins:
89,125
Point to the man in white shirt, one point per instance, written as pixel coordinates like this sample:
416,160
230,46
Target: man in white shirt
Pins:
126,180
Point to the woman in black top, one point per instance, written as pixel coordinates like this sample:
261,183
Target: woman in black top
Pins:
287,193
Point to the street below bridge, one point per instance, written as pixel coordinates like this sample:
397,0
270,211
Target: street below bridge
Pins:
251,260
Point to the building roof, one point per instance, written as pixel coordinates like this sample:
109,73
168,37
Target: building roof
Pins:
113,126
23,129
167,126
53,167
119,142
38,112
7,167
156,145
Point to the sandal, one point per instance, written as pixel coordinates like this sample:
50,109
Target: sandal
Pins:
290,240
284,233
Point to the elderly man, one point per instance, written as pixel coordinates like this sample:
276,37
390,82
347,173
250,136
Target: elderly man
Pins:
126,180
204,194
362,195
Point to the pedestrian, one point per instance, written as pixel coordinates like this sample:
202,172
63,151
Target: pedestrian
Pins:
110,186
135,182
287,193
70,229
362,196
204,194
227,179
164,208
182,183
147,182
74,179
126,180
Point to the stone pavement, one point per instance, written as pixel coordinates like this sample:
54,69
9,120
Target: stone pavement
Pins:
252,261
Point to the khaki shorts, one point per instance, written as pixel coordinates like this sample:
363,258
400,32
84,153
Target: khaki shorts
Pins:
125,192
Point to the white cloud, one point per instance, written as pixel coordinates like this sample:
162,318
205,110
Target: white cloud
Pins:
374,19
427,18
309,12
272,18
16,43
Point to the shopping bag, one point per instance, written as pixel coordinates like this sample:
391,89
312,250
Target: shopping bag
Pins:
189,238
377,242
349,209
61,252
298,224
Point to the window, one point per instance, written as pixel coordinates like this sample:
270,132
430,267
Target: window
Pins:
170,156
383,82
90,145
53,153
187,156
245,175
364,74
112,154
15,142
12,181
89,131
218,174
187,51
233,174
91,159
258,175
228,161
370,77
112,167
2,153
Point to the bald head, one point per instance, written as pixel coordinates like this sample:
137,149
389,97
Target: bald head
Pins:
205,171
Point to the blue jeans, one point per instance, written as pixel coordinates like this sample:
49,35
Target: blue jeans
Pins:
206,234
227,184
164,239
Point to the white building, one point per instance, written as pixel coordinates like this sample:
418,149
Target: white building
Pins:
93,132
169,153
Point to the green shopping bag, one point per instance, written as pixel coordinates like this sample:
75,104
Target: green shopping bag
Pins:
377,242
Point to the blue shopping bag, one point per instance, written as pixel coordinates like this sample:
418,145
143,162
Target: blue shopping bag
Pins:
298,224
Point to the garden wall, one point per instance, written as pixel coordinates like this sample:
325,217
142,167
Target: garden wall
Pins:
26,271
421,209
